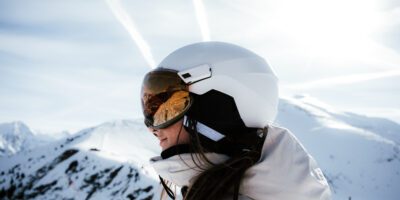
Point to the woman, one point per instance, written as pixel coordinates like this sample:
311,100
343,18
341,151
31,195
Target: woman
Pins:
212,105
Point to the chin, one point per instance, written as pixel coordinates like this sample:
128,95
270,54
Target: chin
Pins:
164,147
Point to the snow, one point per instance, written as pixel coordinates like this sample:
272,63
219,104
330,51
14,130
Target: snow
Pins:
17,137
127,139
14,137
359,155
102,162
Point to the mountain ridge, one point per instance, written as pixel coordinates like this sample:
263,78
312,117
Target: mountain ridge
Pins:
359,155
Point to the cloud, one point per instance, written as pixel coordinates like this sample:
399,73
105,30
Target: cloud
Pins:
71,63
342,80
89,96
48,12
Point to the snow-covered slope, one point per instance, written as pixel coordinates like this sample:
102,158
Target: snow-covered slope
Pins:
103,162
359,155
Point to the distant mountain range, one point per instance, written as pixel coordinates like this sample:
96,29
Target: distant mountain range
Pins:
102,162
359,155
17,136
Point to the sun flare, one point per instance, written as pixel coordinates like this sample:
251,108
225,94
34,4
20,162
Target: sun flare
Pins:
338,28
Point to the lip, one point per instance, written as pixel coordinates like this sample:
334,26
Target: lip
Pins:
163,141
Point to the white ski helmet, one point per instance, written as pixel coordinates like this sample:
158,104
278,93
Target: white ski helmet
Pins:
232,70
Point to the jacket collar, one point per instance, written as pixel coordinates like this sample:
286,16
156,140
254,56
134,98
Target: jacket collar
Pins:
183,168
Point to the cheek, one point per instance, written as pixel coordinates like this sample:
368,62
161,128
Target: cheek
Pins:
184,137
174,137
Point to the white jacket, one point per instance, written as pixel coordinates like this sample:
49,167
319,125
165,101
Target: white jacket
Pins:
285,171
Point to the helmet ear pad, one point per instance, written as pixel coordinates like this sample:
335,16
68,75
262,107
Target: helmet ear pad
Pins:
219,112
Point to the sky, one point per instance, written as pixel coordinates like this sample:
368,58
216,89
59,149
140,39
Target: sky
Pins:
67,65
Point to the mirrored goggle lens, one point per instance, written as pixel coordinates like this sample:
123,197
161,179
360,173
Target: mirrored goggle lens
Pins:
165,98
172,110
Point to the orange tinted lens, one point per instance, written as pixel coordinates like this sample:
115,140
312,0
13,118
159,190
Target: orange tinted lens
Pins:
173,108
164,96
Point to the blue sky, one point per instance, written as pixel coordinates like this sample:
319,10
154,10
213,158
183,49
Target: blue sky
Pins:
66,65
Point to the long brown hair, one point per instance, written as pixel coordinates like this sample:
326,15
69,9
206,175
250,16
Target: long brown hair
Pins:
217,180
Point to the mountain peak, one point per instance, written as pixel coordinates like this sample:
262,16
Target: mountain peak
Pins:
15,128
14,137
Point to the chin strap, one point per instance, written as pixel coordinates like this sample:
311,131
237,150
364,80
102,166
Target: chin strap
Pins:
167,189
184,191
237,186
206,131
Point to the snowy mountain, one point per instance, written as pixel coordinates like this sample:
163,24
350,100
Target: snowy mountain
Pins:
359,155
17,136
14,137
103,162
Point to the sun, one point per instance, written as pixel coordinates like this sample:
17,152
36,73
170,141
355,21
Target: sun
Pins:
322,27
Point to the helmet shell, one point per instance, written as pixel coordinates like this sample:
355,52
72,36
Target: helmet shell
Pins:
237,72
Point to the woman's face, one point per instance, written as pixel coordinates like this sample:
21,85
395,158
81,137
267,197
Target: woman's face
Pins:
172,135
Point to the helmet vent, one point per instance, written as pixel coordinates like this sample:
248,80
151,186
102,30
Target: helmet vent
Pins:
187,75
195,74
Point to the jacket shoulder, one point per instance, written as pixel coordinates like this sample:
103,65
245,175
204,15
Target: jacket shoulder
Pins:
285,171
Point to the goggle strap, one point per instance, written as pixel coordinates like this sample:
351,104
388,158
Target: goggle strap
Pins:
206,131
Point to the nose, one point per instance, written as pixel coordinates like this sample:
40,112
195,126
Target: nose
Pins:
154,131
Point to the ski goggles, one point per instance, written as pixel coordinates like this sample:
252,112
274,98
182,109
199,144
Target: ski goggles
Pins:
165,98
